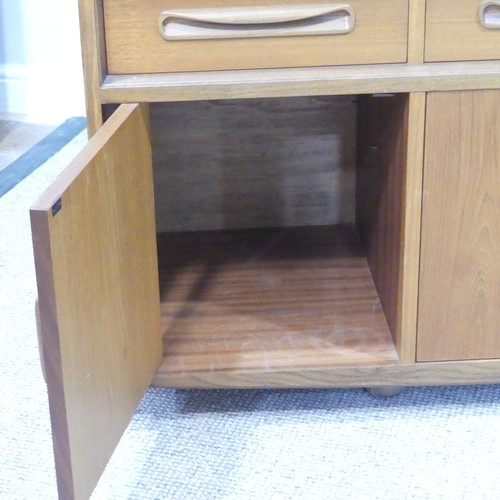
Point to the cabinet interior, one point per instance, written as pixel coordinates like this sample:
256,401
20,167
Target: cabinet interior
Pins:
279,232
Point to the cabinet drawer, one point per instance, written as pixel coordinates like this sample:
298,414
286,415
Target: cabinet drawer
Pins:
165,36
462,30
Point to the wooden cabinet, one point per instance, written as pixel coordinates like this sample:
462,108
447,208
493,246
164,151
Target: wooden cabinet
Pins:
323,218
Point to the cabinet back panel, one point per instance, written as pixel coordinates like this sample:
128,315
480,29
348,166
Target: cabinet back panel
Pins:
254,163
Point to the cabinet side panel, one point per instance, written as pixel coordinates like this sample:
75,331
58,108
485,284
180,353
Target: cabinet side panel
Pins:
99,300
382,131
459,297
93,59
416,31
412,213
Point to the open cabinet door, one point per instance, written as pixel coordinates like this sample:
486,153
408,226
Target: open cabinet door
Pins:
95,254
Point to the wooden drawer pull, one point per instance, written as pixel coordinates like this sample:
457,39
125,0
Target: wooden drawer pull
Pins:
254,22
489,15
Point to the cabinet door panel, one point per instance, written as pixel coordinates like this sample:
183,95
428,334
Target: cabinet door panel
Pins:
459,295
95,254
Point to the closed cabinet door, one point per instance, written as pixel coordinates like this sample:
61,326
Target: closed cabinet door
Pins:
95,255
459,290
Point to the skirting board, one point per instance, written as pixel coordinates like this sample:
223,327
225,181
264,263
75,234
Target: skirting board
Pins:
39,95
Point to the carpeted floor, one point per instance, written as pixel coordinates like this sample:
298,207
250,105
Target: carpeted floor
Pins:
29,161
427,443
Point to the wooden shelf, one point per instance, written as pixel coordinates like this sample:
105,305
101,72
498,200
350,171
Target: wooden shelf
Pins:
266,300
288,82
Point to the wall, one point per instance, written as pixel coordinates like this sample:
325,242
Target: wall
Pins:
40,61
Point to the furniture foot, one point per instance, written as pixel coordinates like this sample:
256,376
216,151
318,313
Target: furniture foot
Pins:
383,392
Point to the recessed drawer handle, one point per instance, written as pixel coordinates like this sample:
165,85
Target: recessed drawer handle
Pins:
489,15
254,22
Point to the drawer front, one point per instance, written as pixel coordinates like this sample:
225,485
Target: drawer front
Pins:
462,30
193,35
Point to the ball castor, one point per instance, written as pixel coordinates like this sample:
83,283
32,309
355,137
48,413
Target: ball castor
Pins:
384,391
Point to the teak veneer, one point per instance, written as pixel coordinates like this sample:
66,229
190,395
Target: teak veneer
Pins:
267,211
269,299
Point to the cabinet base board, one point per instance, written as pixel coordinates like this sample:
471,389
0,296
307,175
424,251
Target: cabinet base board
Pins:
418,374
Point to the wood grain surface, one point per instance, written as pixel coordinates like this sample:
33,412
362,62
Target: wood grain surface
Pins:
459,304
286,82
254,163
134,44
381,144
453,32
267,299
416,31
95,254
416,374
406,334
93,58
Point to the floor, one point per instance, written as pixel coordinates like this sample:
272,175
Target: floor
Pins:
18,136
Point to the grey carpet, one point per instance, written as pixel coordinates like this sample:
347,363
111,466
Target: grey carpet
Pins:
27,163
427,443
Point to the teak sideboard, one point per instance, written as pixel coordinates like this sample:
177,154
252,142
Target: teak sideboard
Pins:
288,194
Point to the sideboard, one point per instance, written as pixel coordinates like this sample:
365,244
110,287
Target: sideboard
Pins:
288,194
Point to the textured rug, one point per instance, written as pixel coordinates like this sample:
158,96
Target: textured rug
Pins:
426,443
